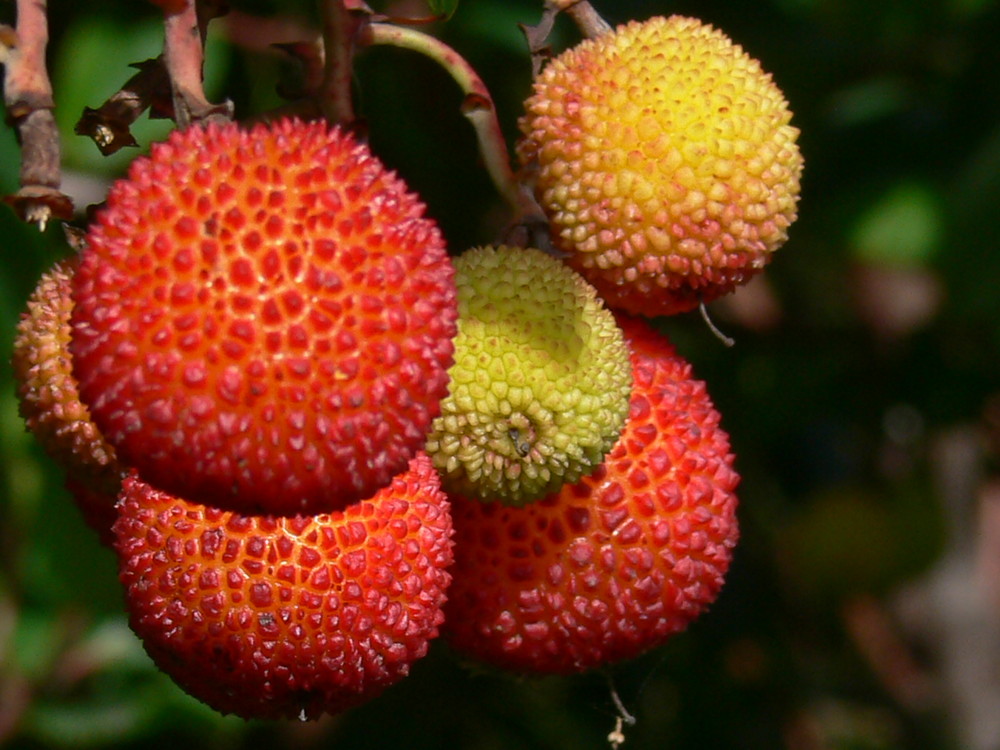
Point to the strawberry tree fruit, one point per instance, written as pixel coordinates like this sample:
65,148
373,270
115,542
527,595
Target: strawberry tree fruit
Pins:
284,617
263,318
540,385
49,399
613,565
666,162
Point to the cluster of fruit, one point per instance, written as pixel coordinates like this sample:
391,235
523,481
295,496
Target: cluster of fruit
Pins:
315,439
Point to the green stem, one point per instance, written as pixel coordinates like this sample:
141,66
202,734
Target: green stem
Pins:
478,106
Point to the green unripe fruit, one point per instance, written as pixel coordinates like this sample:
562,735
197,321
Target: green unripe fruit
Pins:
540,387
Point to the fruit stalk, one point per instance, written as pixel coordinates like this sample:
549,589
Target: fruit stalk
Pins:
184,53
616,738
727,341
478,106
340,29
29,102
588,20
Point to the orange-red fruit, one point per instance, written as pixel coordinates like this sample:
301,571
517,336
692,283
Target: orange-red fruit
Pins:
666,163
264,318
269,617
49,399
613,565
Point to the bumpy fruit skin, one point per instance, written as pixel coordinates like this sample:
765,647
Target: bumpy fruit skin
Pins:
613,565
540,386
270,617
264,318
49,399
665,161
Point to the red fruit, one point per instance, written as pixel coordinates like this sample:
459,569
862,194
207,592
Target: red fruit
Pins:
268,617
264,318
613,565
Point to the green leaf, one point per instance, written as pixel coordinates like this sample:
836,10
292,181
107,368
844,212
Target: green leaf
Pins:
444,8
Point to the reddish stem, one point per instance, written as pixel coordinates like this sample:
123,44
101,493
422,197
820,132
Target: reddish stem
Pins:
583,14
340,30
588,20
477,107
184,55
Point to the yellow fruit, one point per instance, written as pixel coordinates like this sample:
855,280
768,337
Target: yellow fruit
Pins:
48,393
540,386
665,161
49,400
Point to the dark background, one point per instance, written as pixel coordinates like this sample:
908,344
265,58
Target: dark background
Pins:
862,397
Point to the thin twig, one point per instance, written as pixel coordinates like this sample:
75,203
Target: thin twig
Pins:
477,107
340,29
583,14
184,55
617,736
716,331
29,102
587,19
537,37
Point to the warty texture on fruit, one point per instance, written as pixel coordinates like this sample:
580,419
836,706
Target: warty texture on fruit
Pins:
540,385
287,617
666,162
49,399
613,565
264,318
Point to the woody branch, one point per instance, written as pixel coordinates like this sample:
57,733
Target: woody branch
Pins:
29,103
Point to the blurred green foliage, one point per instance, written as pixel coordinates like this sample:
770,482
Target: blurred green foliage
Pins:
875,335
